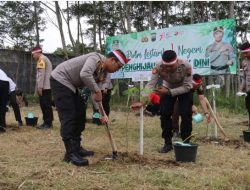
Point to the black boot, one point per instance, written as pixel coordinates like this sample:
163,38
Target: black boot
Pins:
166,148
82,151
71,154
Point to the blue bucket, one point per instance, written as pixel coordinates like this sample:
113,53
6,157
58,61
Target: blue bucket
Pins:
197,118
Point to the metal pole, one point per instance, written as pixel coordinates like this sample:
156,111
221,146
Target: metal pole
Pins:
141,122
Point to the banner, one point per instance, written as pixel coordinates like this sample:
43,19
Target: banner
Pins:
209,47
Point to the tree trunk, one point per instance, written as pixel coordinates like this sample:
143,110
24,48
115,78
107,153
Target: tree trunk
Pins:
128,7
227,81
59,20
78,31
94,27
151,20
36,22
69,30
192,12
166,13
99,26
123,27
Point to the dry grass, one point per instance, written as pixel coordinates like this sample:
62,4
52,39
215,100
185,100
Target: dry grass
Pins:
31,158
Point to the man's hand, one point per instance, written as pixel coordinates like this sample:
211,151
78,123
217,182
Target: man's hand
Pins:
194,109
136,106
208,117
104,119
161,90
105,91
40,91
98,96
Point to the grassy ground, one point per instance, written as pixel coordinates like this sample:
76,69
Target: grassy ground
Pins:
31,158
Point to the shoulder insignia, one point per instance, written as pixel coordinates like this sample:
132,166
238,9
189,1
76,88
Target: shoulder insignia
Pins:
41,64
155,71
179,69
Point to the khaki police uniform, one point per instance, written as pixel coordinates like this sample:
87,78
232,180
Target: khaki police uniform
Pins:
44,69
219,60
179,84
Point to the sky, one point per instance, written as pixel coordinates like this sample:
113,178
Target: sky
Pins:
51,35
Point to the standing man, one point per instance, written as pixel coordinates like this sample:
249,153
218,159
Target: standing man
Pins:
245,86
83,71
177,83
4,94
43,89
220,53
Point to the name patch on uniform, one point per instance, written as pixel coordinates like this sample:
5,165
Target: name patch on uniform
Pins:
41,64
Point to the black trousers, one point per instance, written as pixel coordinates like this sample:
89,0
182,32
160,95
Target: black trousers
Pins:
153,108
185,109
15,106
247,103
71,112
105,101
4,95
46,106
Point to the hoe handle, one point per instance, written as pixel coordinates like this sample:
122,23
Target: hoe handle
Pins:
111,139
216,120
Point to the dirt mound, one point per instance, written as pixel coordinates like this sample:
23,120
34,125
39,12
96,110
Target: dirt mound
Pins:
134,158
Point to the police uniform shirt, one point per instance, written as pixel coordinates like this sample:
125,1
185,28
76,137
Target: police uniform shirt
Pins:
178,82
246,75
218,58
81,71
44,69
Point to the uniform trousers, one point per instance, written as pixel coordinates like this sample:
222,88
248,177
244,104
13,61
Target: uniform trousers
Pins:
247,103
15,106
185,109
105,101
71,112
4,94
46,106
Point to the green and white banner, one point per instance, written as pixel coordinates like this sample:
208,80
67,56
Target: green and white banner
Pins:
209,47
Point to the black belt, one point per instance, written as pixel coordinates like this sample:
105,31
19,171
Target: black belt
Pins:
219,67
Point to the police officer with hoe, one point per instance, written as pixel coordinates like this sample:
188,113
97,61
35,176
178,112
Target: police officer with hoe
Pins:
83,71
177,83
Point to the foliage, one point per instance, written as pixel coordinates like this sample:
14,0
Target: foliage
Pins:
17,24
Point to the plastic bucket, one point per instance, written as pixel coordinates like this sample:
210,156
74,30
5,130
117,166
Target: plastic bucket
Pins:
246,135
197,118
185,152
31,121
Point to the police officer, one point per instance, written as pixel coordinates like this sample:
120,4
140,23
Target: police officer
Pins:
245,86
221,54
177,83
43,89
86,70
